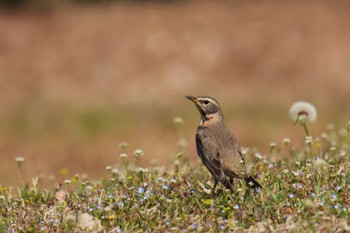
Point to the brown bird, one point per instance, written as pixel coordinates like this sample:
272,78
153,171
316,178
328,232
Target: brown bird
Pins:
217,147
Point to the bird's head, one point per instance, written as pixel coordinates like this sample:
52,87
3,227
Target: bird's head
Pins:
207,106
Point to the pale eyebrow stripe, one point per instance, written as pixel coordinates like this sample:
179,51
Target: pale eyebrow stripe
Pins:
210,100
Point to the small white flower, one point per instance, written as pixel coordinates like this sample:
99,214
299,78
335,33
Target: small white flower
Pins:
296,173
108,168
286,141
258,156
123,145
114,171
173,180
141,170
123,156
178,121
19,159
303,112
138,153
244,151
67,182
241,161
273,144
308,140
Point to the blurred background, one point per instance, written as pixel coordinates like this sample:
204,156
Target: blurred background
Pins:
80,77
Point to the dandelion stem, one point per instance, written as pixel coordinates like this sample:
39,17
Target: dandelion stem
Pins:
306,129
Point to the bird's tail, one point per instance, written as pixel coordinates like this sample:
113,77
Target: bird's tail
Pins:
251,183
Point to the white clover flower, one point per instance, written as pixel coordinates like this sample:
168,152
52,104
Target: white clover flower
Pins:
303,112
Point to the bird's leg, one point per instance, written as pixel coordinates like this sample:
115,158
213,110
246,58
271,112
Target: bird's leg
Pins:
216,181
227,183
231,181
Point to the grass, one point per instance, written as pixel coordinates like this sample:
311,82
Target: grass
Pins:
304,189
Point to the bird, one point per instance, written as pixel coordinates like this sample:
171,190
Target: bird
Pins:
217,147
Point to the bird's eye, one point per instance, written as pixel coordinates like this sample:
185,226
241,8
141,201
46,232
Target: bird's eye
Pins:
206,101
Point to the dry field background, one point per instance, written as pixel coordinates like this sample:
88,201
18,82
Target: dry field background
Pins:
76,81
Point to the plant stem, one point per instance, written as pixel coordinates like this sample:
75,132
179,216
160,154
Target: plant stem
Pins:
306,129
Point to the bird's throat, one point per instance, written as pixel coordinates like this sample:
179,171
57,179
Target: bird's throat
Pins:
209,119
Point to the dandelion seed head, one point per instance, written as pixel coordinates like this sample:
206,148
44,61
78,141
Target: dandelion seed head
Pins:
302,112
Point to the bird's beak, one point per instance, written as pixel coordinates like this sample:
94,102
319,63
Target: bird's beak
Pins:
192,98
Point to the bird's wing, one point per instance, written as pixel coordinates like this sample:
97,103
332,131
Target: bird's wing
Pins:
232,160
208,152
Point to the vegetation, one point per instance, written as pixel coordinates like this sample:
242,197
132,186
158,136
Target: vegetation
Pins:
304,189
